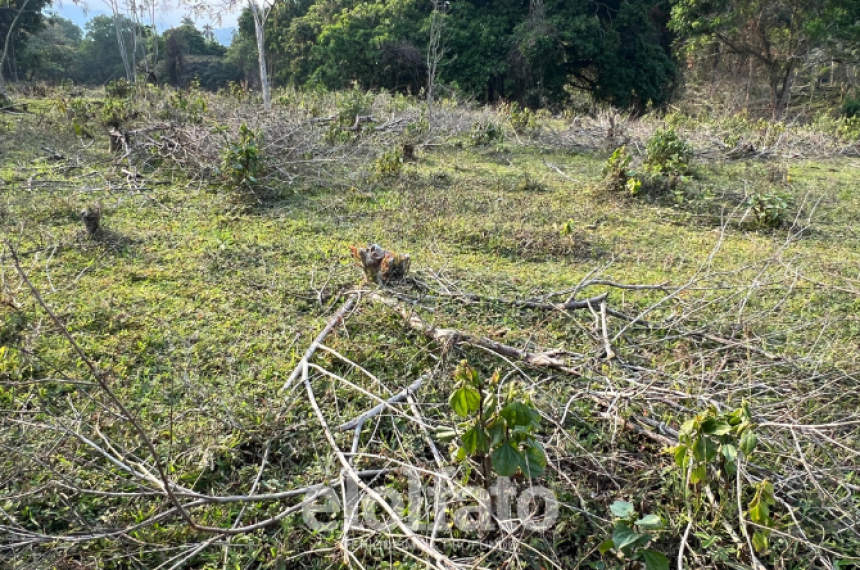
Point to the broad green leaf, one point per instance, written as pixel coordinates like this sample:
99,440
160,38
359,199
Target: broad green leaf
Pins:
465,401
730,452
698,473
490,405
497,431
606,546
507,459
722,428
519,414
649,522
624,536
735,418
475,441
749,441
759,541
654,560
709,425
623,509
731,468
688,427
680,453
535,460
704,449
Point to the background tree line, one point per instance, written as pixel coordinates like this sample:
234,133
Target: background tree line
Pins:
628,53
54,50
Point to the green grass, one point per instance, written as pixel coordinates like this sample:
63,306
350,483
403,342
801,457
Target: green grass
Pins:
199,301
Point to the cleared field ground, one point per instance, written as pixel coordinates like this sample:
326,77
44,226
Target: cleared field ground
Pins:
196,302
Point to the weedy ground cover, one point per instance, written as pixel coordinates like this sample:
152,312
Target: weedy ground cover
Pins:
620,317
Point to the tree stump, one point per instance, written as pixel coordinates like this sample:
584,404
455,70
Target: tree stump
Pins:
92,218
380,266
117,140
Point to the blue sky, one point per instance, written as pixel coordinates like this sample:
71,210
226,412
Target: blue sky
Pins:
168,16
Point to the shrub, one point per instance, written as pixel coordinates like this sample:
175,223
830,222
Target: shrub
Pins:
117,112
487,133
118,89
528,184
668,154
352,104
522,120
710,448
390,164
242,160
630,537
849,128
769,209
417,130
616,178
78,111
190,106
498,432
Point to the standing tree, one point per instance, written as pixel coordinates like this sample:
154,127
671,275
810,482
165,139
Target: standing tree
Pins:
777,34
118,22
260,10
435,52
208,33
17,16
99,49
53,53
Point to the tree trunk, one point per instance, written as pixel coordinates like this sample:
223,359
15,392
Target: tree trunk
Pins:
9,33
259,22
434,56
129,72
782,91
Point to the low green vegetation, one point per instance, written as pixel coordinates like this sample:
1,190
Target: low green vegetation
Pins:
677,367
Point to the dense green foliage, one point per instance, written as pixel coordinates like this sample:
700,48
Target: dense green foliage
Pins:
30,21
57,50
501,49
506,49
535,53
776,34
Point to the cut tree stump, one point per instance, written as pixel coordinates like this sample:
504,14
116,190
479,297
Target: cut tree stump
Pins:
380,266
92,218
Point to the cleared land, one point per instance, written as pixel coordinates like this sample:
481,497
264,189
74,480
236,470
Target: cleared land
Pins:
198,299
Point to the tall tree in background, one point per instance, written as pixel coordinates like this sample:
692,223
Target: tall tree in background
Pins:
777,34
18,19
99,48
435,52
53,53
260,10
119,20
189,55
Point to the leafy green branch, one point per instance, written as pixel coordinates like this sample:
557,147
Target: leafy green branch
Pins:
498,433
